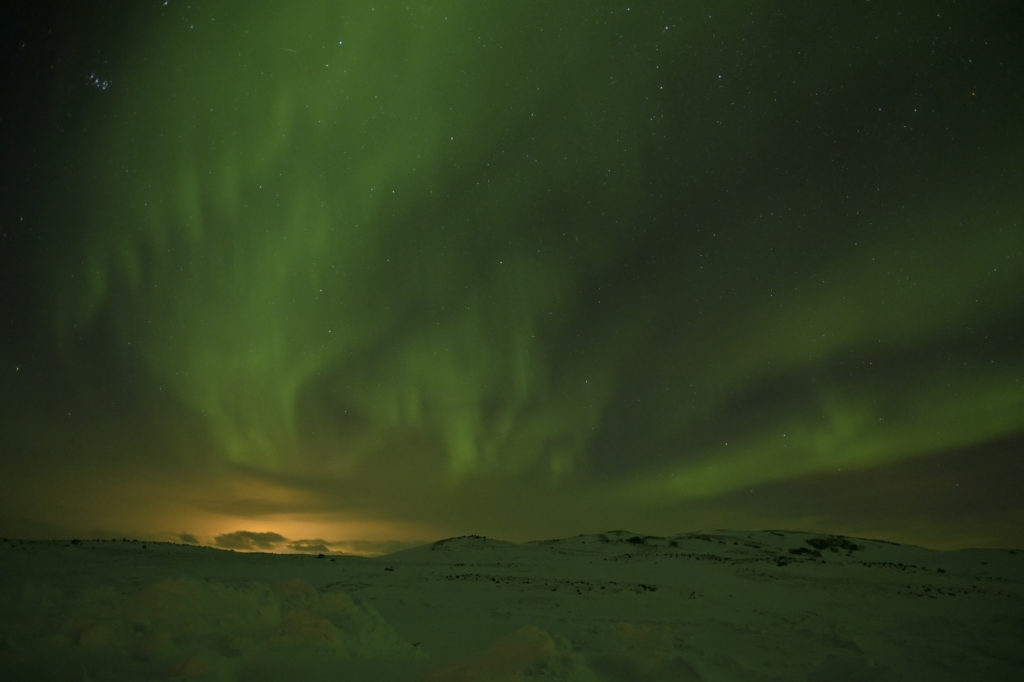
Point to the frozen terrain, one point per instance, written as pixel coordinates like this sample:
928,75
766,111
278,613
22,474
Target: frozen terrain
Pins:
725,605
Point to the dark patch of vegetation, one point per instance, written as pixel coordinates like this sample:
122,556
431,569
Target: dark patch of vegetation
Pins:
637,540
834,543
805,550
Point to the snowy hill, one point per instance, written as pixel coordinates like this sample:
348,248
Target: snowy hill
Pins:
722,605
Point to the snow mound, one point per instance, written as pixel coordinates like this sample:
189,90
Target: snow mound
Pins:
529,653
191,629
610,652
463,543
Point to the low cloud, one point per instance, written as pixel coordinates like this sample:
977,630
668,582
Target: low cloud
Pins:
249,540
309,546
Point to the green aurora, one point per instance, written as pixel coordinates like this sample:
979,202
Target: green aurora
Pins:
527,268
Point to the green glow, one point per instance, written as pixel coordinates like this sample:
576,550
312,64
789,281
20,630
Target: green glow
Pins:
303,205
853,432
494,237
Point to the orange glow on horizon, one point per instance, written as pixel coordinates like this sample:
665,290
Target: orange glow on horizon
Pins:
339,535
203,505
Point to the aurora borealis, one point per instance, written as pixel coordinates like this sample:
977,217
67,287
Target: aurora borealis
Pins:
372,272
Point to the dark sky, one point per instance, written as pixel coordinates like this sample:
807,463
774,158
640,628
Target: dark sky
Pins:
354,273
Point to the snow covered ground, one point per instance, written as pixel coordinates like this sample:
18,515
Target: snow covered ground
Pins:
725,605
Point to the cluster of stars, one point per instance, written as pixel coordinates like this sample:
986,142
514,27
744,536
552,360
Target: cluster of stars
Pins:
96,81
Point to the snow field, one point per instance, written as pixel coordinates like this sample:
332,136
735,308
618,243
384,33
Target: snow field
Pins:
191,629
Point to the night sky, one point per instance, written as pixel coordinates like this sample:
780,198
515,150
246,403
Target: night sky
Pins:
353,274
